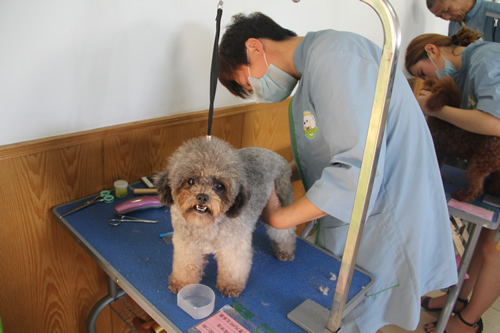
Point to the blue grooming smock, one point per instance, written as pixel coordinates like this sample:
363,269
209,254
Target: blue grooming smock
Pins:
477,19
407,242
479,77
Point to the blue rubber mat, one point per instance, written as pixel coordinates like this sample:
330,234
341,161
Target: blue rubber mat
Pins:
136,253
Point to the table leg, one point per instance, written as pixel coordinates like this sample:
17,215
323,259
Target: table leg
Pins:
462,269
113,295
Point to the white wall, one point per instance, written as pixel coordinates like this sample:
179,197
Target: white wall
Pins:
74,65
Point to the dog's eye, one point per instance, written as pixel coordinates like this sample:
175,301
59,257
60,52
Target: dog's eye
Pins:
218,186
191,181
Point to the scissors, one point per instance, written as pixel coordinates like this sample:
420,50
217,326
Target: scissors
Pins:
104,196
123,218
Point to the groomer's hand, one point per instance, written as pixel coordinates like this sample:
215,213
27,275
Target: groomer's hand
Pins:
300,211
423,96
272,207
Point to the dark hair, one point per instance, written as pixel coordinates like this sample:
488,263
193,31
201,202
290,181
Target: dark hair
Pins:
232,50
430,3
416,49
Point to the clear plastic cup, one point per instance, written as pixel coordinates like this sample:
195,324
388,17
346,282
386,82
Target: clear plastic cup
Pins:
197,300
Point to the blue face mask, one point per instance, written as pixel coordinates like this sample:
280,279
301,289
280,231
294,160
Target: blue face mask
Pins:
449,68
274,86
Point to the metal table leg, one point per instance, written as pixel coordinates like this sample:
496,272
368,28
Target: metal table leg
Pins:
113,295
462,269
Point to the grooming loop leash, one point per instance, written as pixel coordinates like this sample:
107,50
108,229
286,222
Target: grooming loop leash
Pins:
214,69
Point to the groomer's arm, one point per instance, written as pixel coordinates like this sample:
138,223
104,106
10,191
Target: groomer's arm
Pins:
475,121
299,212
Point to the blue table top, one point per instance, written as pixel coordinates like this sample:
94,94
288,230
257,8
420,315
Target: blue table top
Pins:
136,256
453,179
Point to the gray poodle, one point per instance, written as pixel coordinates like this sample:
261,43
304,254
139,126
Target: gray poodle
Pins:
217,194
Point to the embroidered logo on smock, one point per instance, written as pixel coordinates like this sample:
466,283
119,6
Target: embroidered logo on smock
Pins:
471,103
310,128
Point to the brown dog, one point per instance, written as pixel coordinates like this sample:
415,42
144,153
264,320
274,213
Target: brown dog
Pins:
481,151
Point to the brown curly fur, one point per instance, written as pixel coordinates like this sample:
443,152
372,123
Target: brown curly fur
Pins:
481,151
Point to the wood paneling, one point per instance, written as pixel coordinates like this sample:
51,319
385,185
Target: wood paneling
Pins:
48,282
152,147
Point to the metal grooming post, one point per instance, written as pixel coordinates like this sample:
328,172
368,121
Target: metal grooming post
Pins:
381,101
310,315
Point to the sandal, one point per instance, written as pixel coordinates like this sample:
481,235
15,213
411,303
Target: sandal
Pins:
426,300
478,323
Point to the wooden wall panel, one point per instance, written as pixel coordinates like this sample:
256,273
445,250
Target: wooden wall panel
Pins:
41,266
48,282
133,154
269,129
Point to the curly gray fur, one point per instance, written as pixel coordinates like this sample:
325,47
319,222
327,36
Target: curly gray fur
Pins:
217,194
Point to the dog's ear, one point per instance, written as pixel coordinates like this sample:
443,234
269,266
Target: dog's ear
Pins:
444,92
164,190
429,83
240,202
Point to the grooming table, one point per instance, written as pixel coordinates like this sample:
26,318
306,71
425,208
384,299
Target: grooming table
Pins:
137,260
479,214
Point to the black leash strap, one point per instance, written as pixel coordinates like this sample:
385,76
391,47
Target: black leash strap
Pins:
215,68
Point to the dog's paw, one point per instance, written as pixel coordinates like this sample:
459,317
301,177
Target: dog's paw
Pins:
494,188
464,195
174,285
495,191
229,290
174,288
284,256
284,249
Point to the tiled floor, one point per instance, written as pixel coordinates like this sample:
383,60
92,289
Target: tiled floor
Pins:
491,320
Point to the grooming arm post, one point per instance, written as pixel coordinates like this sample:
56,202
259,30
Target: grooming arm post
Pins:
381,101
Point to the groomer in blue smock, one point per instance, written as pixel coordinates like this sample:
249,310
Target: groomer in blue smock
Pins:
406,244
479,15
475,67
473,64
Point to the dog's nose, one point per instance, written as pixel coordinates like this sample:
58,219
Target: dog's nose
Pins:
202,198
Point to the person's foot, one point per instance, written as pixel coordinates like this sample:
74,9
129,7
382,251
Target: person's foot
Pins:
433,304
143,326
457,324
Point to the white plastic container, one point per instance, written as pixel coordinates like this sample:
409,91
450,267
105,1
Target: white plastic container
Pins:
197,300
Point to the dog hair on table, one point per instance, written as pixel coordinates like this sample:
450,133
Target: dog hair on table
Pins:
216,194
481,151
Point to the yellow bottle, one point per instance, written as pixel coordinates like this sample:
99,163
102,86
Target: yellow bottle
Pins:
121,188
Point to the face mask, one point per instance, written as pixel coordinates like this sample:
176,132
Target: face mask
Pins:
274,86
448,70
